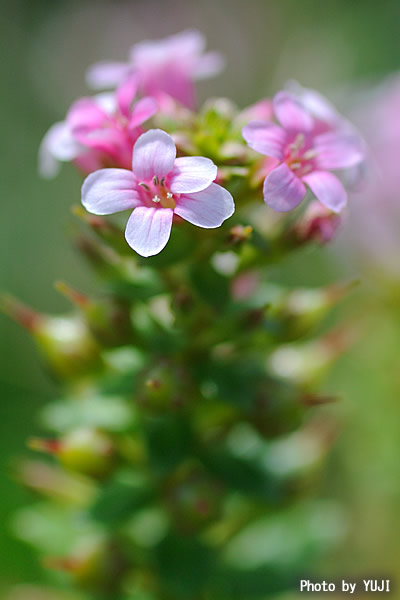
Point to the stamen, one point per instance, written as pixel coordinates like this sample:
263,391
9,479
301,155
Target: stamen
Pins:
156,180
170,195
312,153
156,199
144,186
295,165
298,142
162,181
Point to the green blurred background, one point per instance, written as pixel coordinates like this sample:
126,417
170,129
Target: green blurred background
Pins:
334,46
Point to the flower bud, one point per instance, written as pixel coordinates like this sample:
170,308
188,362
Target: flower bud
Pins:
84,450
93,564
305,364
193,498
108,319
65,342
54,483
162,389
297,311
317,224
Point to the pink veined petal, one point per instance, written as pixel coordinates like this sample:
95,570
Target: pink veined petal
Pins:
338,150
192,174
266,138
154,153
327,189
126,93
291,114
208,208
283,190
85,115
106,74
108,191
143,110
208,65
148,229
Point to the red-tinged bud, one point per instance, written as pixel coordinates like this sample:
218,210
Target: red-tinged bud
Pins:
85,450
299,310
302,452
22,314
93,565
52,482
65,342
109,319
163,389
305,364
193,498
317,224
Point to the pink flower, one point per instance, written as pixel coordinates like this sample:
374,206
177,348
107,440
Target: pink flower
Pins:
97,132
158,187
169,65
310,141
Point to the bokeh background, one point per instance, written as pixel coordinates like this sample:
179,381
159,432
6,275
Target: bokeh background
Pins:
344,49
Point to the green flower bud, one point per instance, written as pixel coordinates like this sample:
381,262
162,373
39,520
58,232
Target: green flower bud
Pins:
193,498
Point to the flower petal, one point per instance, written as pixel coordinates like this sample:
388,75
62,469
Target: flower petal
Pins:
106,74
192,174
283,191
108,191
143,110
126,93
266,138
290,112
148,229
85,115
338,150
153,154
208,208
327,189
208,65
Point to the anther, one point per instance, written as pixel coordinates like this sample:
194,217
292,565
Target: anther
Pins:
156,180
145,186
170,195
156,199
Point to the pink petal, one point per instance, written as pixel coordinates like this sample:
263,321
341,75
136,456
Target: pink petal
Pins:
192,174
338,150
283,191
126,93
208,208
153,154
148,229
327,189
266,138
208,65
143,110
290,113
85,115
106,74
108,191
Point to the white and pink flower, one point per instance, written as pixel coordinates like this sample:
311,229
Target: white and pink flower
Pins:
168,66
310,141
98,131
158,187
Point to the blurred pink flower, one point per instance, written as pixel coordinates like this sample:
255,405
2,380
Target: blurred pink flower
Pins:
158,187
310,141
169,65
98,131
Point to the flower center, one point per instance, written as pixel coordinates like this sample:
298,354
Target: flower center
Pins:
299,155
158,193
